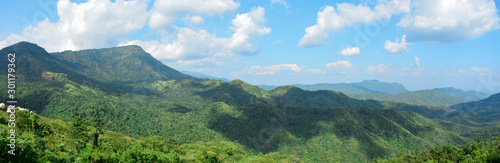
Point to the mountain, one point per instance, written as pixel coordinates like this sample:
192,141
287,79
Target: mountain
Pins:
422,97
385,87
466,95
209,119
291,96
486,110
366,86
201,75
31,61
127,64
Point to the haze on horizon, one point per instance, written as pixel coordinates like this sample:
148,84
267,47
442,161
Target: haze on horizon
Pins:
422,44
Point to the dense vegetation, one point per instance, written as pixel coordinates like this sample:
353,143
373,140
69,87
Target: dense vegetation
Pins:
199,119
42,139
477,151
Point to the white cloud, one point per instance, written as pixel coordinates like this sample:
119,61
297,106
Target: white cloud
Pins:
349,51
472,71
12,39
165,12
339,65
94,24
197,47
313,71
417,61
381,68
396,46
281,2
480,71
331,20
196,20
444,21
270,70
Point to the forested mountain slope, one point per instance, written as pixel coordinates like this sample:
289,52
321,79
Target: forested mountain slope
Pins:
315,126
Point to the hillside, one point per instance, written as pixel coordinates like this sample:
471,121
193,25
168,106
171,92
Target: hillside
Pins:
478,151
211,113
466,95
486,110
422,97
296,97
41,139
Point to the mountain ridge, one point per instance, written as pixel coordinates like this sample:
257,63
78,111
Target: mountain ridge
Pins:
287,119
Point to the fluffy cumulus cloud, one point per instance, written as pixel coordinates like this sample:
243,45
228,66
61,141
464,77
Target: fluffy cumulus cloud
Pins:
445,21
196,20
349,51
339,65
94,24
396,46
195,47
377,69
331,20
12,39
165,12
271,70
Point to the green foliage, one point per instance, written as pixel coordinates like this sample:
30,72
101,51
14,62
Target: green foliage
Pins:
296,97
478,151
65,145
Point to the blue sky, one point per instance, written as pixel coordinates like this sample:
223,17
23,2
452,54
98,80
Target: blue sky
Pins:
422,44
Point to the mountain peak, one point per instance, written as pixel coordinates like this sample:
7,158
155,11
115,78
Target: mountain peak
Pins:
125,64
370,81
25,47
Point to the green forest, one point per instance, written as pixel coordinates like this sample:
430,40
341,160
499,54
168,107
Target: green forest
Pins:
122,105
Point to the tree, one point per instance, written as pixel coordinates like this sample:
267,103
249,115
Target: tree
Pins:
79,133
98,129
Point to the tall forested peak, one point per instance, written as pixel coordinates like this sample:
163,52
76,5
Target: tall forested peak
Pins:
31,61
122,64
25,48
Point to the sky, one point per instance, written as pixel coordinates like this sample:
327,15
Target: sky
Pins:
422,44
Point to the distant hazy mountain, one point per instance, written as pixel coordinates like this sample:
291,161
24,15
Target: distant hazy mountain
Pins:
485,110
466,95
366,86
422,97
202,75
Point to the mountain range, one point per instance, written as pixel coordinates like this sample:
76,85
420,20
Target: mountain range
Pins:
385,91
138,96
